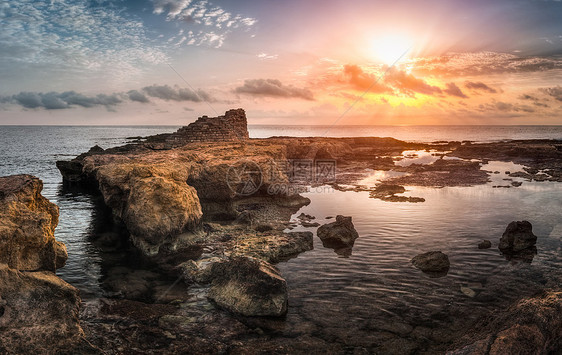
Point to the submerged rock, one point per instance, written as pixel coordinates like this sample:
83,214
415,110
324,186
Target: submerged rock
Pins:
432,262
27,226
485,244
342,230
518,236
248,286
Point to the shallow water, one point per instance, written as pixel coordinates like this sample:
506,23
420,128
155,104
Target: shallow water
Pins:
331,293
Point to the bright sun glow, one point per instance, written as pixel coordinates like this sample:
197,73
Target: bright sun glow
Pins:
388,49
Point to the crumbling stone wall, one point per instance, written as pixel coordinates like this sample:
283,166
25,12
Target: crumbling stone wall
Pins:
232,126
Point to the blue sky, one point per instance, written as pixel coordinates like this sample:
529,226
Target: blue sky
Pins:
168,61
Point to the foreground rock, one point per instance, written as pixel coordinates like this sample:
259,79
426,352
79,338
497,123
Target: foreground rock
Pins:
38,311
27,225
485,244
248,286
39,314
432,262
532,326
517,237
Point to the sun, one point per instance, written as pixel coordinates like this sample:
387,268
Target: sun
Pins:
390,49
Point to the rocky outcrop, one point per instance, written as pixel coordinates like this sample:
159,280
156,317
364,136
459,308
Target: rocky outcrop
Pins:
27,226
39,314
517,237
432,262
342,231
248,286
532,326
155,203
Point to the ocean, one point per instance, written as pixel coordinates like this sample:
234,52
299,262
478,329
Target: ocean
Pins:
340,292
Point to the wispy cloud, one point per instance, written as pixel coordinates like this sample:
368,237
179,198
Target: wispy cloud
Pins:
74,37
453,90
479,86
214,22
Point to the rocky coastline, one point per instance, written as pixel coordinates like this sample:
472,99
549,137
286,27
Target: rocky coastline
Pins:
212,208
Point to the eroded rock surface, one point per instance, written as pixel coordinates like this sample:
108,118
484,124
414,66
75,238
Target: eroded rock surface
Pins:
27,226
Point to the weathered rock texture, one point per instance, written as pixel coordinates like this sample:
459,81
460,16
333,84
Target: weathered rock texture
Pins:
39,314
518,236
27,225
248,286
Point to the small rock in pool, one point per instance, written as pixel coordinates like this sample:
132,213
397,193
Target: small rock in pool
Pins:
432,261
518,236
485,244
341,230
468,292
516,183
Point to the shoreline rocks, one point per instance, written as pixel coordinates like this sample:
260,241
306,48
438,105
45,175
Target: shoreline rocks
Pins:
38,310
27,226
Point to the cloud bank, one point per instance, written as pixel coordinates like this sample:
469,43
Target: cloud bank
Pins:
273,88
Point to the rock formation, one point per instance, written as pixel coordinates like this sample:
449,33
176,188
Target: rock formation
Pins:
518,236
27,226
38,311
432,262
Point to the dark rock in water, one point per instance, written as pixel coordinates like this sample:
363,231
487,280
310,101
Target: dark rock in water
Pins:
432,262
309,224
39,315
305,217
27,226
516,183
485,244
341,230
248,286
518,236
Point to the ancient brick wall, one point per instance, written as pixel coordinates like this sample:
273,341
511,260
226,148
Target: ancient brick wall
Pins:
230,127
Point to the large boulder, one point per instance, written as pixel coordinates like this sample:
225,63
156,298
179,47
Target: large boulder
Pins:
518,236
27,226
153,202
341,231
39,314
432,262
248,286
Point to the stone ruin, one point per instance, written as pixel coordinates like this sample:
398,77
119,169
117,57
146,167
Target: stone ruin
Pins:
230,127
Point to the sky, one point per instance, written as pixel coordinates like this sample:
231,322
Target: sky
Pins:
288,62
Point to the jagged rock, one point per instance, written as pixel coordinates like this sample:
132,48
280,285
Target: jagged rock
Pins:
518,236
432,261
342,230
27,226
248,286
485,244
39,314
